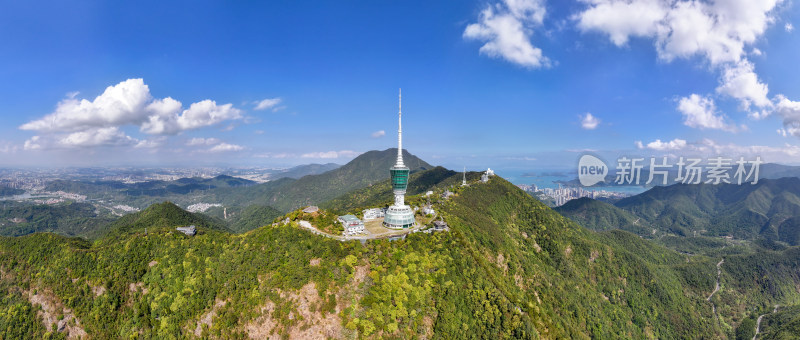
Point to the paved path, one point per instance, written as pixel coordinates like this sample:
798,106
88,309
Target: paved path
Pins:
716,288
758,323
387,234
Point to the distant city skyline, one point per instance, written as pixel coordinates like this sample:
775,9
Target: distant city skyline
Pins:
528,84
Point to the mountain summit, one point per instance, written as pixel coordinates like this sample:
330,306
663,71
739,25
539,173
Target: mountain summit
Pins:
288,194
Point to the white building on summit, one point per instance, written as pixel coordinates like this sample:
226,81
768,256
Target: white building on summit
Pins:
352,225
399,215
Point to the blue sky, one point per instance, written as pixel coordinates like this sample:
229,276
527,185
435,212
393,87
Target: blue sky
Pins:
501,83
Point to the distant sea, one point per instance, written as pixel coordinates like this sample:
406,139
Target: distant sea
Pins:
546,178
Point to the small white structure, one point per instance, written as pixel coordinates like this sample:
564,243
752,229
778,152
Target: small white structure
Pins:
430,192
352,225
428,210
374,214
464,181
190,230
311,209
485,177
440,226
447,193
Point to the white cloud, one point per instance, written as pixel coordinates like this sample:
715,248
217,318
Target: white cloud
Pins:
267,104
84,123
201,114
506,29
151,143
331,154
121,104
521,158
33,143
741,82
788,27
92,137
622,19
110,136
216,145
707,147
716,30
769,153
8,147
280,155
378,134
589,122
790,112
757,52
223,147
675,144
203,141
701,112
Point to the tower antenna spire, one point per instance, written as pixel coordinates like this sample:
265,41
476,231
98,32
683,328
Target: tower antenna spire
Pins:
400,130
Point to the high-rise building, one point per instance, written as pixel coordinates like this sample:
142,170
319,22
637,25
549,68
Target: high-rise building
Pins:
399,215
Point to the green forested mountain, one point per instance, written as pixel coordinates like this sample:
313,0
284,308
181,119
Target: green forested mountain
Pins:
509,268
6,191
599,215
776,171
161,216
769,209
70,219
780,323
251,217
365,170
150,188
288,194
247,203
284,194
304,170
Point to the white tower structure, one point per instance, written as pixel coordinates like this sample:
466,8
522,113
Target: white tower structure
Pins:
464,181
399,215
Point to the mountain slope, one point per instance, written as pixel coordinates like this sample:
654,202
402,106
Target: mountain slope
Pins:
70,219
509,268
164,215
380,194
600,216
6,191
766,209
535,254
180,186
304,170
367,169
253,217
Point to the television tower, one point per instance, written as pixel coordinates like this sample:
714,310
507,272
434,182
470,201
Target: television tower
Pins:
399,215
